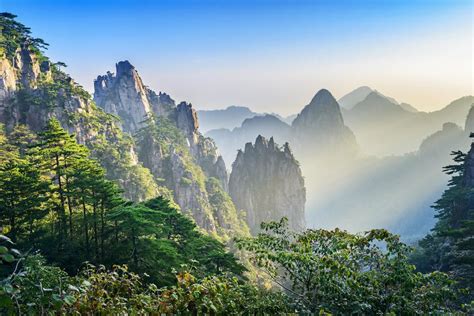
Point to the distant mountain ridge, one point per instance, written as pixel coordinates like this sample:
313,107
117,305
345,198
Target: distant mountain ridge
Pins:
318,127
403,127
231,117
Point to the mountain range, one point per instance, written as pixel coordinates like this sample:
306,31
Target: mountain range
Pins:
401,182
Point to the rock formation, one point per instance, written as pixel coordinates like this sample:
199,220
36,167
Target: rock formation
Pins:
125,95
177,161
170,145
266,182
266,125
33,90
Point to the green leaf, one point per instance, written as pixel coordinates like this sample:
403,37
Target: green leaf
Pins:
8,258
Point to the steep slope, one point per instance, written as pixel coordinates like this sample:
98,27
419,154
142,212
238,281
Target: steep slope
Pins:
33,90
267,183
319,129
408,107
170,145
125,95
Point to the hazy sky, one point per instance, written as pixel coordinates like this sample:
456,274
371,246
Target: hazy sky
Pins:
269,55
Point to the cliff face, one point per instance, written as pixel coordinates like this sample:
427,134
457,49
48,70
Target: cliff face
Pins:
125,95
170,145
266,182
33,90
320,128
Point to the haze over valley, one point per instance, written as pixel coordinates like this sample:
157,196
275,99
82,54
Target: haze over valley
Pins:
236,158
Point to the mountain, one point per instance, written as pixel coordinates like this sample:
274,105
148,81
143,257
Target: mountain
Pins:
230,141
125,95
147,145
229,117
358,95
33,90
267,183
402,127
352,98
320,129
169,144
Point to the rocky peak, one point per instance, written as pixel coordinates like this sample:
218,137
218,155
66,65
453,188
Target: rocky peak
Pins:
124,68
187,121
320,124
322,111
266,182
125,95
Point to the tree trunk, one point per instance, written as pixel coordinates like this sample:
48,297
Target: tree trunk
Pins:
86,229
69,204
96,241
62,216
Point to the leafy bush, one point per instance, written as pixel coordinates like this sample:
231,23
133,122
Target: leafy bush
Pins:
339,272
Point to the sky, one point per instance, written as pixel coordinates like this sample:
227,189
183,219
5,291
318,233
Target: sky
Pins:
271,56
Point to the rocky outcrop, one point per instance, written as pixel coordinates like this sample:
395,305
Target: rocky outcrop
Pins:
34,90
266,182
320,128
125,95
189,191
266,125
170,145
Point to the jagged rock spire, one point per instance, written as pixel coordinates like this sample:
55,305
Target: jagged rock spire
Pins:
266,182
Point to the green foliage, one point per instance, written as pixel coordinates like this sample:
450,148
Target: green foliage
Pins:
160,134
29,286
220,296
154,238
450,247
230,224
57,198
342,273
14,34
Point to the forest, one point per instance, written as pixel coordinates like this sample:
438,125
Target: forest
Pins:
72,241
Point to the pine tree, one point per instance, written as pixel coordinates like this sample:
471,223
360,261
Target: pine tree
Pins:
19,208
55,154
450,247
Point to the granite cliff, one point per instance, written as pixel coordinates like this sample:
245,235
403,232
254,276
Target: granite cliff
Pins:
267,183
177,161
170,145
